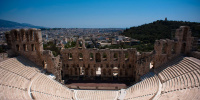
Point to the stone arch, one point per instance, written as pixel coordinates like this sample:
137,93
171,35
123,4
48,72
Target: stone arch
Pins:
22,31
98,71
32,35
27,36
98,57
91,56
151,65
115,56
25,47
80,56
80,43
15,35
126,56
104,56
70,56
17,47
32,47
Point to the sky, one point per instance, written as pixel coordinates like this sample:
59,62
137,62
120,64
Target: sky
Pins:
97,13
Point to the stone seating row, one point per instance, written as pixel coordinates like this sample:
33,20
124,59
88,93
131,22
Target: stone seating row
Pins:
13,86
182,67
96,94
147,87
44,96
180,75
13,65
13,93
184,94
13,80
44,84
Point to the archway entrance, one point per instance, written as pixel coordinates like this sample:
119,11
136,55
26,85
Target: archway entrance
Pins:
115,73
98,73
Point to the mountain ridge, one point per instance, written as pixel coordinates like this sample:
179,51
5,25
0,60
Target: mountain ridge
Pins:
13,25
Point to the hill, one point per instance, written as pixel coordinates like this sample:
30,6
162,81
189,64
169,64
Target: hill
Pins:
4,24
160,29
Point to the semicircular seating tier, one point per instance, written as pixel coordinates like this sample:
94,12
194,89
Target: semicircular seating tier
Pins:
21,79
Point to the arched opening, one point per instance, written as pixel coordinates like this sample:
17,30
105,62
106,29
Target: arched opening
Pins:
115,56
104,56
173,49
98,57
32,47
80,56
25,47
98,71
91,56
17,47
33,36
80,44
69,55
151,65
126,56
115,72
22,35
27,37
82,71
16,35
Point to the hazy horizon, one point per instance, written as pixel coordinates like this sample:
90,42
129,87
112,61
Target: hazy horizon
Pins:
98,13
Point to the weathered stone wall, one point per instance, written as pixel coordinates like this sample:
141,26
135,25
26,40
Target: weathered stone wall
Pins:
79,59
196,54
26,42
121,64
166,49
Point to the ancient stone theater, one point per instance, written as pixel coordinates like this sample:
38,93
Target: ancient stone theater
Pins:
170,72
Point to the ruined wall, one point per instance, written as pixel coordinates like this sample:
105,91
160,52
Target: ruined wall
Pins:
26,42
79,59
77,62
196,54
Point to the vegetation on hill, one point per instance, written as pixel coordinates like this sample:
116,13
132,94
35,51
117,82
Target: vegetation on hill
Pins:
51,46
159,29
70,44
